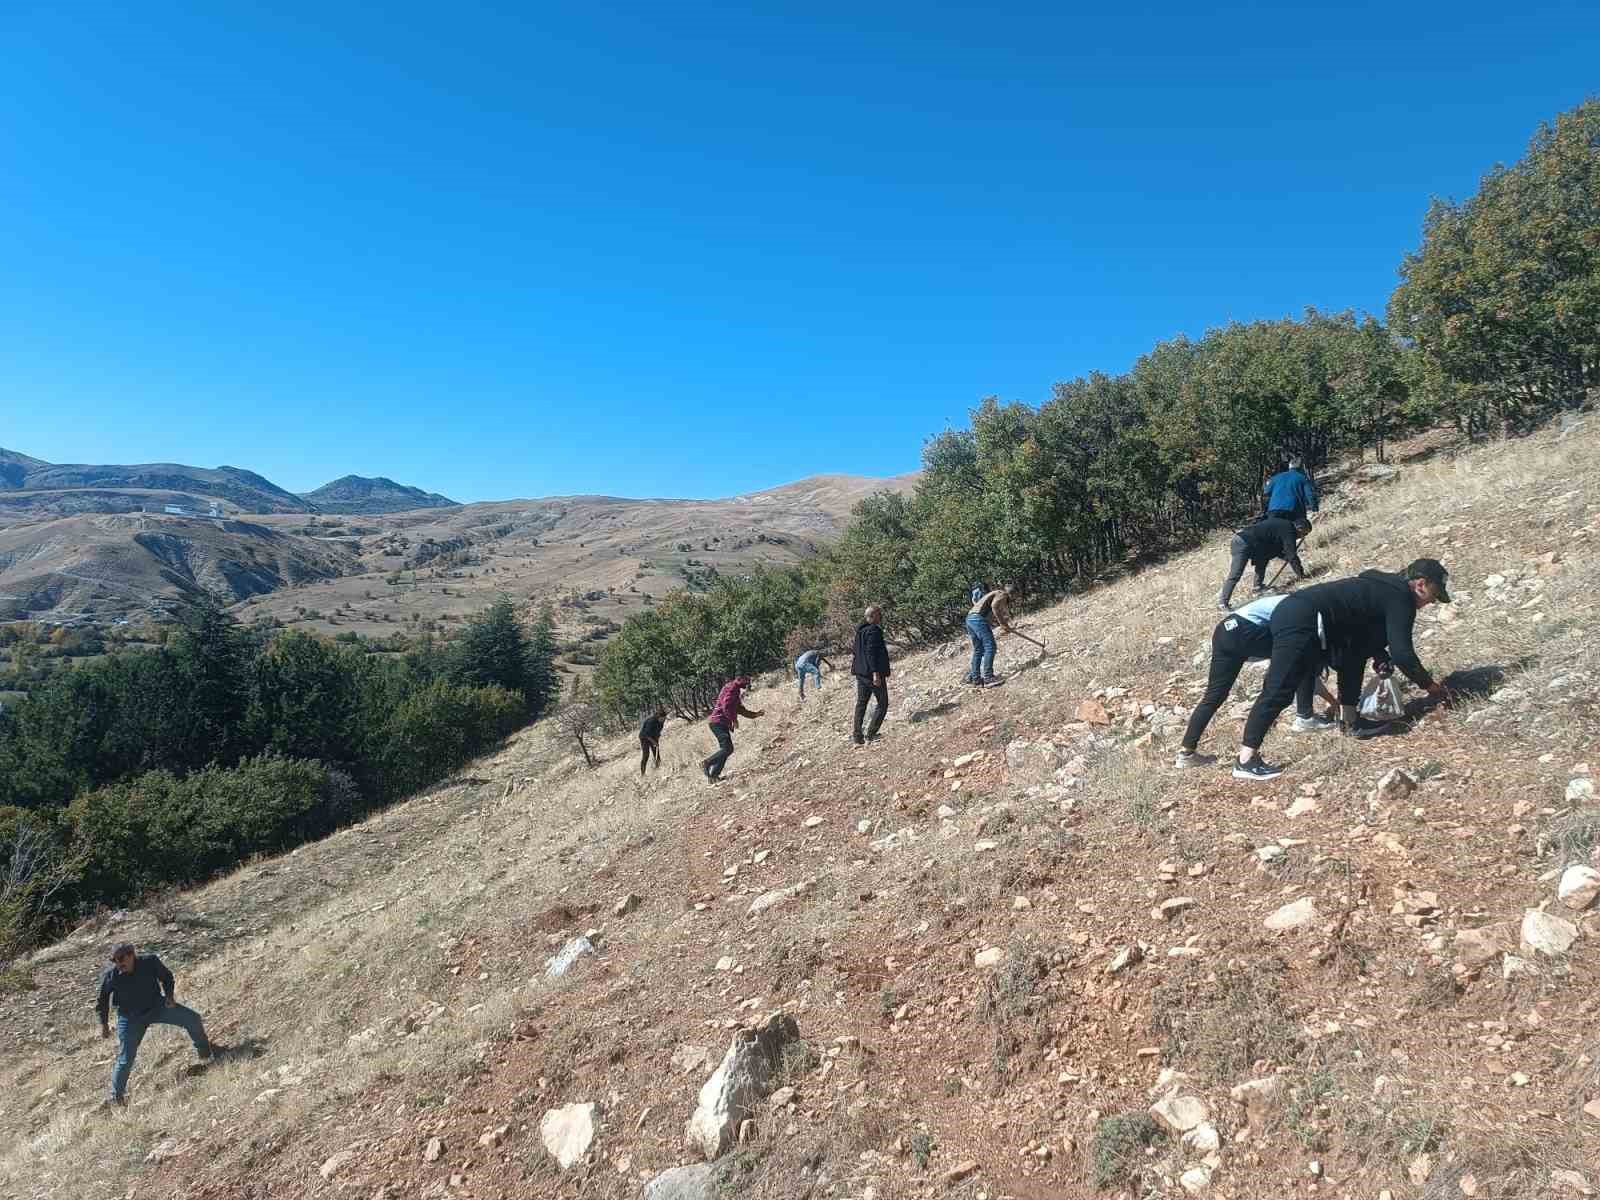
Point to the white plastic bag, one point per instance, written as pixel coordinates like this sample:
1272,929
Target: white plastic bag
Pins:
1382,702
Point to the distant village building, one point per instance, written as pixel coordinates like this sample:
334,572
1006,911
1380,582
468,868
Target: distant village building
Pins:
177,510
215,510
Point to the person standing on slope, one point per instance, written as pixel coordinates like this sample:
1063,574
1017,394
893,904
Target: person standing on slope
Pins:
811,663
1290,493
869,663
725,716
986,609
650,739
145,995
1259,544
1241,637
1312,624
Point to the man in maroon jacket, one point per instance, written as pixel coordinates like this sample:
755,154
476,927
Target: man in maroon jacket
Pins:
725,716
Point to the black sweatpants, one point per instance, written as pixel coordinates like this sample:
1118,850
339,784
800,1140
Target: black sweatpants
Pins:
649,747
1234,642
713,765
1297,656
864,691
1239,552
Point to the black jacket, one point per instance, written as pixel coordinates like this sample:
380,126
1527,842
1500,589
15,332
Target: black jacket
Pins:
1271,538
871,654
142,991
1361,616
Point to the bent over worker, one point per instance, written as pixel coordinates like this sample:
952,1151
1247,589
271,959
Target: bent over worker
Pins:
986,610
1259,544
1345,612
1241,637
725,716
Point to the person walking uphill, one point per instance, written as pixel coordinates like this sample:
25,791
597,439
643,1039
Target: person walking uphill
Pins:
1259,544
1327,620
1241,637
650,739
1290,493
870,665
144,992
725,714
987,609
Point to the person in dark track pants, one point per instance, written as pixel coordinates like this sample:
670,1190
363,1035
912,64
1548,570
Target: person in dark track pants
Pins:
650,739
1259,544
870,665
725,716
1314,624
1245,636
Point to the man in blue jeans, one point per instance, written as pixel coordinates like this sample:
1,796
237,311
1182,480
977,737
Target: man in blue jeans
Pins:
143,990
986,609
810,663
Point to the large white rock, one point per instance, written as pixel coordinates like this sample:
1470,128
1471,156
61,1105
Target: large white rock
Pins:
567,1132
769,900
1547,934
1578,887
697,1181
736,1088
1195,1180
1396,784
1179,1114
561,961
1298,915
1580,790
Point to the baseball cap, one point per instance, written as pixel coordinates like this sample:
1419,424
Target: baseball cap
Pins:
1433,571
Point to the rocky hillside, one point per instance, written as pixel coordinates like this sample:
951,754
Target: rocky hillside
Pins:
242,489
360,494
1005,951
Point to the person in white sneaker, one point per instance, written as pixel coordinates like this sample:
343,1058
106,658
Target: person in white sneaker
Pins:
1245,636
1318,621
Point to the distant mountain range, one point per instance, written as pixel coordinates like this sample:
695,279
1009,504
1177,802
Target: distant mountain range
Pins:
359,494
247,492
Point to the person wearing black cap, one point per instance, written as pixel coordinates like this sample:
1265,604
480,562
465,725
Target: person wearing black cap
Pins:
1341,622
1259,544
144,992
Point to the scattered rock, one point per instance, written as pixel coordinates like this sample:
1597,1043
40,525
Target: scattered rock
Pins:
1301,806
992,957
1396,784
1203,1139
1546,934
335,1162
781,1097
1571,1181
1297,915
491,1138
730,1096
697,1181
1578,887
768,900
688,1057
1094,713
1592,1110
1195,1180
1270,853
567,1132
170,1148
433,1151
813,822
958,1172
1580,791
626,905
561,962
1475,947
1179,1114
1261,1099
1168,909
1126,957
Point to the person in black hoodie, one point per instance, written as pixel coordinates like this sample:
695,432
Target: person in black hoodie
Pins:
1259,544
870,666
1341,622
650,739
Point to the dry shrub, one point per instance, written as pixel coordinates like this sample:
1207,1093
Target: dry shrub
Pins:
1220,1022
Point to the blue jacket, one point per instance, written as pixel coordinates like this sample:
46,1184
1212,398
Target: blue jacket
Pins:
1291,491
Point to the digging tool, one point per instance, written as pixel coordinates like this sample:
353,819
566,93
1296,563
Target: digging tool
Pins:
1298,542
1026,638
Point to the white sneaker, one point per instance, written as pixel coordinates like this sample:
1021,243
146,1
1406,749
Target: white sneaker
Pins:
1314,724
1193,758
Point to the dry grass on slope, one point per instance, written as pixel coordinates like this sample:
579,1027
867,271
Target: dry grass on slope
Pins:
386,984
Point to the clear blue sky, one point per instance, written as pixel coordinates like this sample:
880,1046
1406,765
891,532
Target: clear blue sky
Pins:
524,249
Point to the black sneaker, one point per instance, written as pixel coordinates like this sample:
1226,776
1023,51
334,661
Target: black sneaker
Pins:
206,1052
858,739
1256,768
994,681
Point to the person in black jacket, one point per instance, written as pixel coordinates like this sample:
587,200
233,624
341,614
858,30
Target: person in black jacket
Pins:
650,739
144,992
870,666
1341,621
1259,544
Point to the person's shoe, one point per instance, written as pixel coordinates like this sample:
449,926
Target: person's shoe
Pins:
1256,768
205,1054
971,682
858,739
706,771
1364,729
872,737
1223,607
1193,758
112,1102
1314,724
994,681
